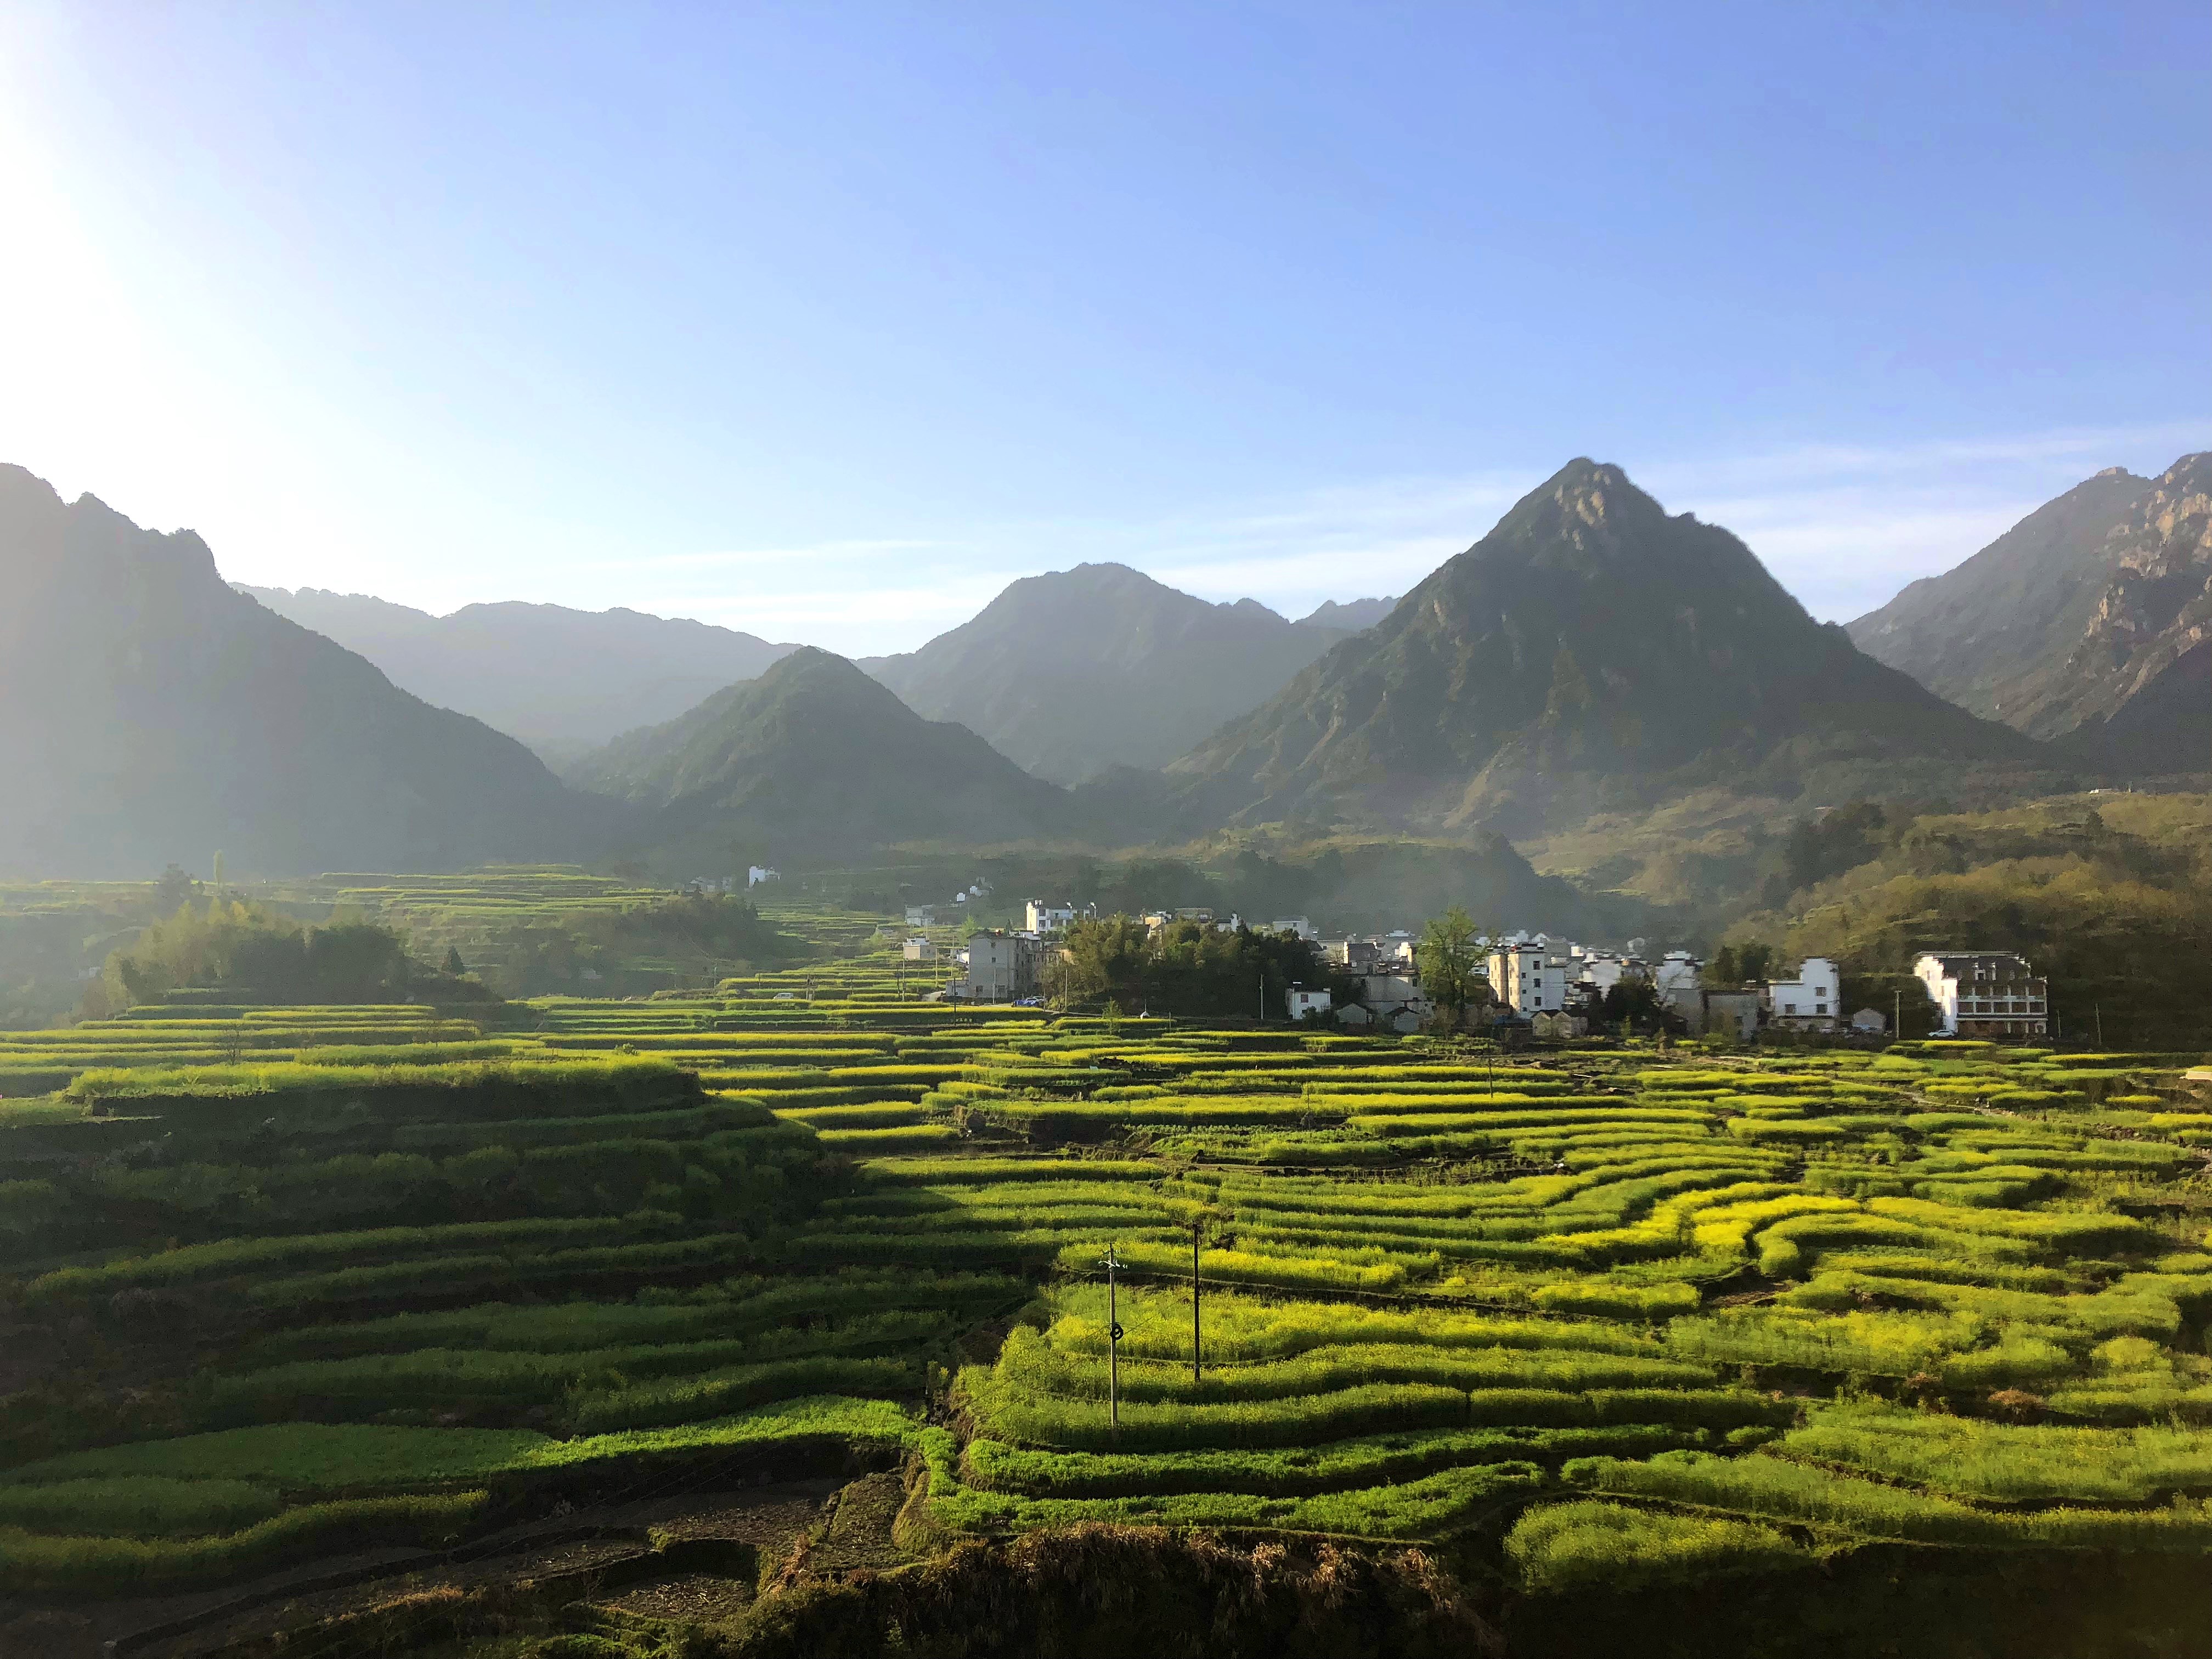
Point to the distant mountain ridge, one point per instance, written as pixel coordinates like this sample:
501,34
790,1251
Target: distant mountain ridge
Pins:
1348,615
814,759
1075,671
2090,622
155,715
1589,652
561,680
1994,634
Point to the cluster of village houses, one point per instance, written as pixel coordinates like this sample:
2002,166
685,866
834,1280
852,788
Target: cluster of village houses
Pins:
1553,986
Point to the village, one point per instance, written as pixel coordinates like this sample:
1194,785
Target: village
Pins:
1542,987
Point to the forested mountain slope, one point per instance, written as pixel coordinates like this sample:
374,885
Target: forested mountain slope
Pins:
1591,652
1075,671
815,758
2140,681
152,714
561,680
1994,634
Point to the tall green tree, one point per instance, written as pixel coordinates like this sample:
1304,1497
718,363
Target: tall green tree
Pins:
1450,958
1102,957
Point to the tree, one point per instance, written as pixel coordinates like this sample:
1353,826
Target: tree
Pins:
1738,964
1186,968
454,965
255,954
1451,966
173,891
1100,957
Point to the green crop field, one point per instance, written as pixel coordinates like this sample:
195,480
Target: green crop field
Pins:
309,1281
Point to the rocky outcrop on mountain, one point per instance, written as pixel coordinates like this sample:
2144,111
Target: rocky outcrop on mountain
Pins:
2139,683
1994,634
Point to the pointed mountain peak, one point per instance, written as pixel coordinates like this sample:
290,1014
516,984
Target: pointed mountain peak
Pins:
810,661
1583,473
1595,493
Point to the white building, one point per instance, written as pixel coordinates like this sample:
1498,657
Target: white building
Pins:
1002,967
1303,1002
1676,976
1038,917
920,949
1298,925
1524,978
921,915
1811,1002
1985,994
1599,971
1388,996
757,874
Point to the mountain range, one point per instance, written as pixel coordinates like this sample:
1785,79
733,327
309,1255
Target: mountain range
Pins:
1074,672
1591,654
563,681
152,715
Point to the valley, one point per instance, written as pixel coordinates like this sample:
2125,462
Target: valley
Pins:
496,1215
378,1286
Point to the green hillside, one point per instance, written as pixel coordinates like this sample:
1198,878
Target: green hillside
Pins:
811,761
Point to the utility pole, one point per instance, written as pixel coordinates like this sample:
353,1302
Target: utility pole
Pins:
1263,996
2101,1023
1896,1012
1113,1264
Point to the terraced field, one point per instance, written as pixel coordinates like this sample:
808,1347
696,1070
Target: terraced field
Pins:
287,1283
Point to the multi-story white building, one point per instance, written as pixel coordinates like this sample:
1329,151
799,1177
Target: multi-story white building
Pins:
1303,1002
1985,994
1299,925
1813,1001
1524,978
1002,967
1038,917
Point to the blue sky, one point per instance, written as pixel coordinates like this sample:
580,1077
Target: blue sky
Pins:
826,321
